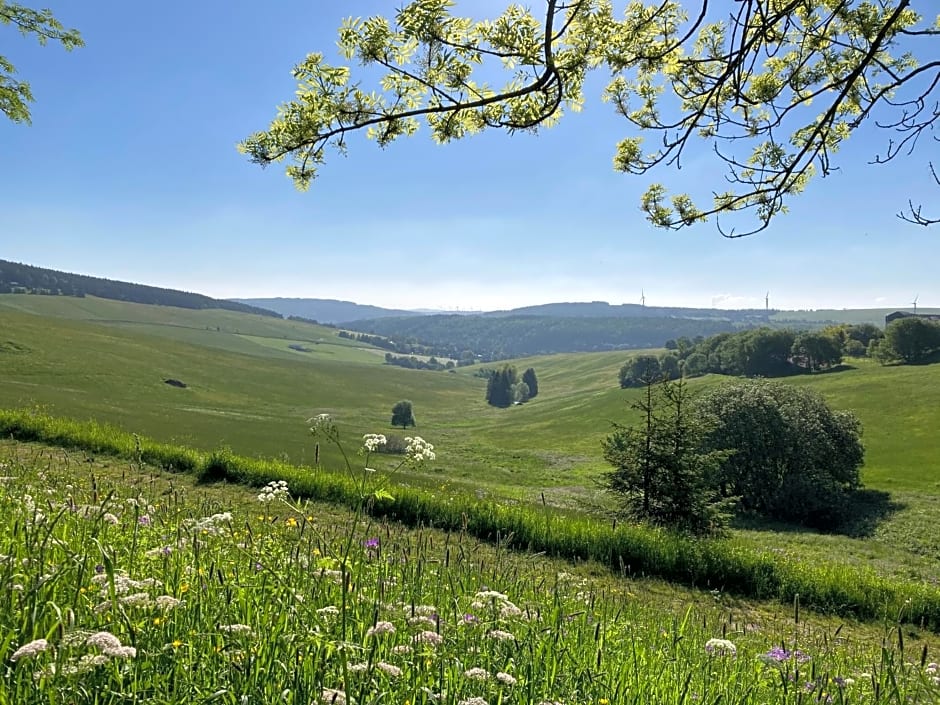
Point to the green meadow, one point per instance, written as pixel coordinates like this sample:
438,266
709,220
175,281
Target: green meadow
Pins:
128,584
249,391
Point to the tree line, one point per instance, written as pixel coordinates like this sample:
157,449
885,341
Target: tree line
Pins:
759,352
489,338
505,387
16,278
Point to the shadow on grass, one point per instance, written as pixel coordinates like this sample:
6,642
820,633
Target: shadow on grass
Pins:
866,510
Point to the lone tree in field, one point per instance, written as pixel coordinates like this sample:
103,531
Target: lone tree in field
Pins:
662,472
16,95
403,414
773,87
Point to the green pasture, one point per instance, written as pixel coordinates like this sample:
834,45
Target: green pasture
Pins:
106,360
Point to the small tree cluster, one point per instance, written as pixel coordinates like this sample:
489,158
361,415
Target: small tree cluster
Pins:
504,387
910,340
770,449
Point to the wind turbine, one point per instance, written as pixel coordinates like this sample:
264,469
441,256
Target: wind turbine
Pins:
642,298
914,302
767,302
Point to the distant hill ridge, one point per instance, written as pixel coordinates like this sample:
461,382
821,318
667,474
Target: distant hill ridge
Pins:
28,279
325,310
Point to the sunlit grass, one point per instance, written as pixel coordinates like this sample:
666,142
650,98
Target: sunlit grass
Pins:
119,595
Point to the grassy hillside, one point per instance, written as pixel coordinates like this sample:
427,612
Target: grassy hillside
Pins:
106,360
146,587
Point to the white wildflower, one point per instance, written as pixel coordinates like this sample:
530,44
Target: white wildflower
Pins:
276,489
421,620
381,628
428,637
372,441
103,640
167,602
505,678
500,635
30,649
357,667
477,674
329,696
419,450
401,649
388,669
235,628
492,595
509,610
473,701
109,518
121,652
721,647
328,611
137,599
323,425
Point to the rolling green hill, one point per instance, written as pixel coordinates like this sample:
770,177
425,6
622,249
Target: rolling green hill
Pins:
107,360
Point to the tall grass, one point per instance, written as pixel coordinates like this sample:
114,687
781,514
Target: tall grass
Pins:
114,596
714,564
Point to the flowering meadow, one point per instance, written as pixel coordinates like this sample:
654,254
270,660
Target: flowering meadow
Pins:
122,591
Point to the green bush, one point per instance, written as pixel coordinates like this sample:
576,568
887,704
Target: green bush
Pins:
791,456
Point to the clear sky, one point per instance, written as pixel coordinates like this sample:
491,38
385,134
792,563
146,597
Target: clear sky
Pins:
130,172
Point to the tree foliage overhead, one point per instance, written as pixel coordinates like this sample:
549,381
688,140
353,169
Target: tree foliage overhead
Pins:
15,94
774,87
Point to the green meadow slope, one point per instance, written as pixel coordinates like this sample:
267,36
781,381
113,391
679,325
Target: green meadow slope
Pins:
107,360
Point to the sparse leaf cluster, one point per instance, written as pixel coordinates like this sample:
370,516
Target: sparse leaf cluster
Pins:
774,87
15,94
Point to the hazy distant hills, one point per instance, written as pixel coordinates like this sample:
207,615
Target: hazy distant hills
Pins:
326,310
338,312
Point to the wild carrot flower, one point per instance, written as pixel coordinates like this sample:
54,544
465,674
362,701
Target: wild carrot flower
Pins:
121,652
419,450
506,679
473,701
721,647
109,518
388,669
428,637
235,629
500,635
276,489
328,611
103,640
477,674
30,649
329,696
401,649
371,442
357,667
381,628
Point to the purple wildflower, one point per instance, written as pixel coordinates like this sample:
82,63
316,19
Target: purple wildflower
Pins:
144,520
372,543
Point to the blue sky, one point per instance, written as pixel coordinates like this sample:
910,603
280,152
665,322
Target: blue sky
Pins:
130,171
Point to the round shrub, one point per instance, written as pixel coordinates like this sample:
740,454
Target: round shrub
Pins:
791,456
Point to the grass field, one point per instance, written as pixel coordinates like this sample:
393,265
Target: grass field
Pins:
106,360
126,584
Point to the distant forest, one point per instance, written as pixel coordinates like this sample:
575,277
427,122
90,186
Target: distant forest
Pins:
498,338
18,278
